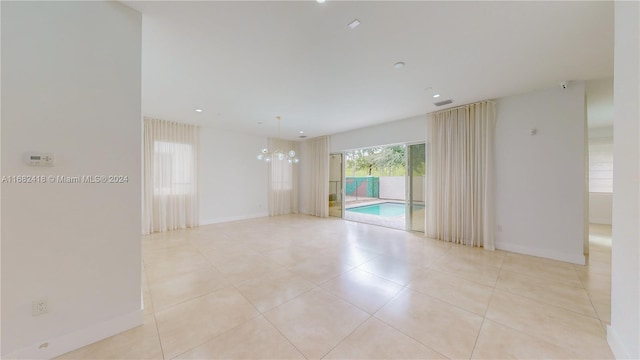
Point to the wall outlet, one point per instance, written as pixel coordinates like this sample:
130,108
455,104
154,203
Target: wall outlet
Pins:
39,307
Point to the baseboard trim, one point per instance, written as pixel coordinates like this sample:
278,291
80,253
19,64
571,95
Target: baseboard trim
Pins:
619,352
543,253
233,218
51,348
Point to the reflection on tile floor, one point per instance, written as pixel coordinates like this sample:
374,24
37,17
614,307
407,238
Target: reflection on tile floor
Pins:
295,287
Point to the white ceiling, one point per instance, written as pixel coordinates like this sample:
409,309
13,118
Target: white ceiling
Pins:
247,62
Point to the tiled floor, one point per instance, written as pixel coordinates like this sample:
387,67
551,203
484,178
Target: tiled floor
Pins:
302,287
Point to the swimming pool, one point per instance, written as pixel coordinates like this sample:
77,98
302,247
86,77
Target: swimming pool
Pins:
387,209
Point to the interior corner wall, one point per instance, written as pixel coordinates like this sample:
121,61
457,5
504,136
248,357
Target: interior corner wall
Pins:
540,179
233,183
70,86
623,334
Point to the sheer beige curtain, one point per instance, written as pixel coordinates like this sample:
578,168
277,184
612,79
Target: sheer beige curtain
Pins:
318,165
460,175
170,175
283,180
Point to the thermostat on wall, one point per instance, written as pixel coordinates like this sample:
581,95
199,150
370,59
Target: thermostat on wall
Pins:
39,159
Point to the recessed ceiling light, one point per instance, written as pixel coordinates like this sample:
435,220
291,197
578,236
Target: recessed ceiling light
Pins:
301,132
354,24
198,110
398,65
435,96
320,1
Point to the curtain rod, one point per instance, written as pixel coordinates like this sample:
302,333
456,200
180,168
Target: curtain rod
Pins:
461,106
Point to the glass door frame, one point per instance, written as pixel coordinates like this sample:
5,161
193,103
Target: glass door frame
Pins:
409,187
342,182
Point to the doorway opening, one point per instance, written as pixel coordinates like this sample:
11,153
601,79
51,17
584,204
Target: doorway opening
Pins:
384,185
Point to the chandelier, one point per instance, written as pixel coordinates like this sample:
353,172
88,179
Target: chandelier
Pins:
267,156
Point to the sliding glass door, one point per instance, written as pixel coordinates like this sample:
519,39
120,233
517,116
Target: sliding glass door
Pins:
415,188
335,185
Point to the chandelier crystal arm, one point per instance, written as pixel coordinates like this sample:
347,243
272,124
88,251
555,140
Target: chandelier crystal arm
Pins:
267,156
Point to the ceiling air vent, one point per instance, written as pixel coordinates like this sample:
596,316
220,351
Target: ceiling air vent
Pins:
302,136
444,102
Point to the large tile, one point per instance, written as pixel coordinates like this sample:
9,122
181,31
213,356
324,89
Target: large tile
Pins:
390,268
377,340
316,321
223,248
141,342
167,263
419,254
593,280
562,327
563,294
290,256
169,254
268,291
363,289
181,287
549,269
477,255
350,255
601,301
441,326
191,323
255,339
320,269
374,240
469,295
500,342
469,270
262,244
169,239
246,266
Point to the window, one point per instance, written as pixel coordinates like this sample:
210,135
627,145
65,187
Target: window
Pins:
281,175
171,152
601,165
173,168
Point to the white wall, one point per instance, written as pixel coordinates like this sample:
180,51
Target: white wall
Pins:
601,204
601,132
401,131
233,183
624,332
540,179
392,187
600,208
71,86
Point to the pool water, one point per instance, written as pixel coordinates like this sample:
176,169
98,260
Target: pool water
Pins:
386,209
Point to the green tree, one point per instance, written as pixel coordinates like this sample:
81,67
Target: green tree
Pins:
365,159
417,159
390,159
